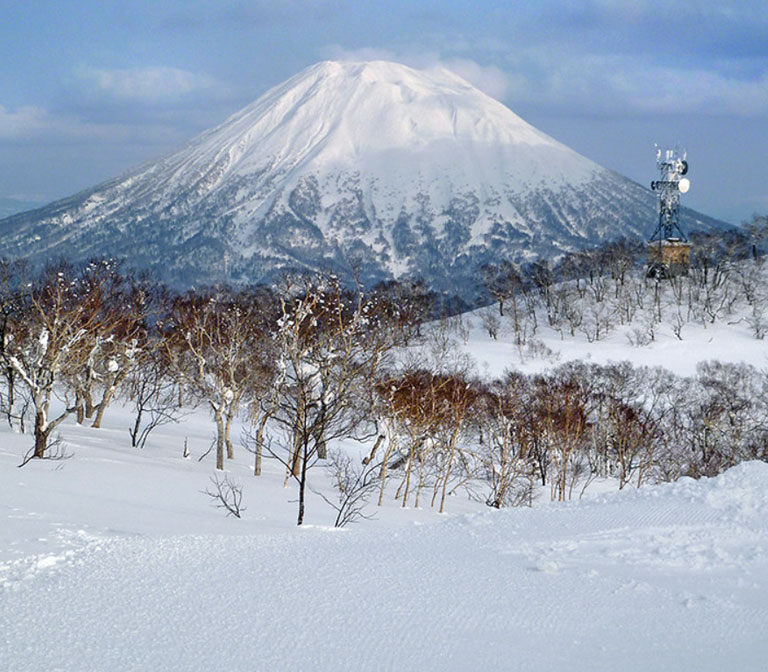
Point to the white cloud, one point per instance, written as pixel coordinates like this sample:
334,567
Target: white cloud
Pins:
24,122
36,123
582,78
622,84
489,79
674,90
155,84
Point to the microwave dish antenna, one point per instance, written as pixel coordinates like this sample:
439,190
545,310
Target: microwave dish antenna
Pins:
672,165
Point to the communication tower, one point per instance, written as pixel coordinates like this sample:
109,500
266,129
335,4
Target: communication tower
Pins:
669,251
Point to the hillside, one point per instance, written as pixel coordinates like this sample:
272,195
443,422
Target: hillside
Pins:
130,566
667,577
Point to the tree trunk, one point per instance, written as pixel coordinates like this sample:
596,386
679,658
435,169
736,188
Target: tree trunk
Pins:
257,459
41,434
219,439
89,407
448,471
228,430
408,468
9,412
369,458
515,320
318,432
136,425
260,445
79,406
105,401
383,473
302,484
299,439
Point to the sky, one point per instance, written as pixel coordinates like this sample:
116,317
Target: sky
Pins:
89,89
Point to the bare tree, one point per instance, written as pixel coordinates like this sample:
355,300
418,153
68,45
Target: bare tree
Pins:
226,494
406,408
626,418
330,345
103,357
151,389
460,398
505,450
210,340
725,421
561,406
502,281
403,307
490,322
429,414
41,345
11,281
354,485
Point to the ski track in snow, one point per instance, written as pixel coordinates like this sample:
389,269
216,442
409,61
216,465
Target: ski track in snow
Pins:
669,577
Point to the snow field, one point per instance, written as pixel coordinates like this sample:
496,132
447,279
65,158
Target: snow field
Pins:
114,560
670,577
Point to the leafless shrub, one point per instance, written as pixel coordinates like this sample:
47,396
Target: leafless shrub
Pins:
490,321
226,494
153,392
536,349
598,319
354,485
16,406
56,451
639,337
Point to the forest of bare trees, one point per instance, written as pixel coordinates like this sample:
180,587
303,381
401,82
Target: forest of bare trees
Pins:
312,361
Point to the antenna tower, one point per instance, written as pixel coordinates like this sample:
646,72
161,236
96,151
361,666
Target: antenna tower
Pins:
668,248
672,167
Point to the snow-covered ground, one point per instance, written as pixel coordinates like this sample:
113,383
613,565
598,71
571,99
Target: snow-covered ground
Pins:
115,560
726,342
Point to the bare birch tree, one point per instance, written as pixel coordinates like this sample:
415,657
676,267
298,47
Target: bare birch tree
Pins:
56,315
330,345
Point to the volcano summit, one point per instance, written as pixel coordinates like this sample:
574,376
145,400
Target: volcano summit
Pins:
395,171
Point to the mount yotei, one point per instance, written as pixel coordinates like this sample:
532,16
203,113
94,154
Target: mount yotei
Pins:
393,171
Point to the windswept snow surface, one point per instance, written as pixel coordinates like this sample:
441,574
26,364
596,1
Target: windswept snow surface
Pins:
666,577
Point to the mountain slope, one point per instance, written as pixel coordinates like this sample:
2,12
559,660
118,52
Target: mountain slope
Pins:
395,171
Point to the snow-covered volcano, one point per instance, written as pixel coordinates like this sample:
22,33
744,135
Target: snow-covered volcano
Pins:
378,166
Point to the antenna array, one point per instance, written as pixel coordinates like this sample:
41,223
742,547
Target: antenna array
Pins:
672,166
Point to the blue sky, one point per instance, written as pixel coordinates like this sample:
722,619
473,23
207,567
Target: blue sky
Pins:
89,89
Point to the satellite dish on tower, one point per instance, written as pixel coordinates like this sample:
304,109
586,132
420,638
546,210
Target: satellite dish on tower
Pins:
668,248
